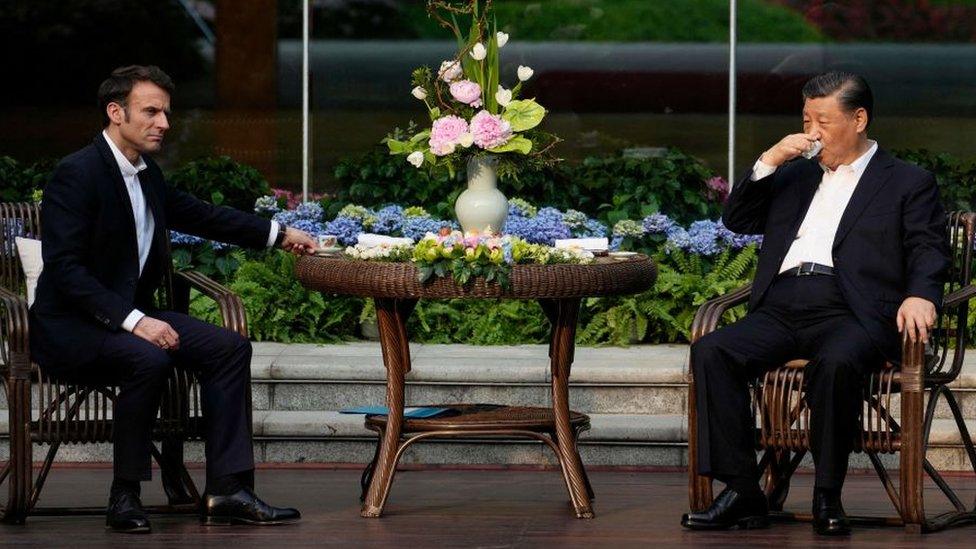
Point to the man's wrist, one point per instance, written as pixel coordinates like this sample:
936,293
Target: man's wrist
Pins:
282,229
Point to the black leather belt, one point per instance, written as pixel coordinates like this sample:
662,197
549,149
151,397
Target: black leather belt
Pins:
806,269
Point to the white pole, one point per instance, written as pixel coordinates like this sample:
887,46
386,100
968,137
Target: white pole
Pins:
305,144
732,70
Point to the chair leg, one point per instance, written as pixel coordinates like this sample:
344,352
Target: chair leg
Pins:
177,485
912,438
699,486
20,465
368,471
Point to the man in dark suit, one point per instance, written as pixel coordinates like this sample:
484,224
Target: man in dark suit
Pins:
854,252
105,214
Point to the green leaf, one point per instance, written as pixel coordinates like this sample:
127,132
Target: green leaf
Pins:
524,114
398,147
517,144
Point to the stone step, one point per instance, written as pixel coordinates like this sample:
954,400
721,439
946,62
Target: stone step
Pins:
613,440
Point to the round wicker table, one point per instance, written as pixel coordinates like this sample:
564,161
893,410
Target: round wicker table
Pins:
557,288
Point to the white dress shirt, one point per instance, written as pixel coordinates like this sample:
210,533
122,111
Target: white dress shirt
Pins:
815,239
145,224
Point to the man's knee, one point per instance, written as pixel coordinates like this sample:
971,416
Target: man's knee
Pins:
152,362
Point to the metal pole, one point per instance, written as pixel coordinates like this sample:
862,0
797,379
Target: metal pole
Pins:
732,70
305,114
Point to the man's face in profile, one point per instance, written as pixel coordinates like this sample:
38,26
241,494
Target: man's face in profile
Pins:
839,129
145,117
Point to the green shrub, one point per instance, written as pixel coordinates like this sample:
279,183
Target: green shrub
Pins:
221,181
610,188
279,308
635,21
956,179
19,181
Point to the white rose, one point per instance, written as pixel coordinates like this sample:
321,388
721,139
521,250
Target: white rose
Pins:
450,71
478,52
466,139
420,93
503,96
416,158
502,39
524,73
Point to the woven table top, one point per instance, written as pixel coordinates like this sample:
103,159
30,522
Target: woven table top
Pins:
604,277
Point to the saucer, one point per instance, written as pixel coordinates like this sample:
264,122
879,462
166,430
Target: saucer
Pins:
332,250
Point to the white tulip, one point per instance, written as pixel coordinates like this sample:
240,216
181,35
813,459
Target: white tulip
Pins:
450,71
502,39
416,158
466,139
478,52
503,96
524,73
420,93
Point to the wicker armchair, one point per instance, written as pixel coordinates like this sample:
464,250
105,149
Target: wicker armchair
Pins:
783,417
46,411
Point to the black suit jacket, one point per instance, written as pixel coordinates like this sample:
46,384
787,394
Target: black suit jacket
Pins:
890,244
91,281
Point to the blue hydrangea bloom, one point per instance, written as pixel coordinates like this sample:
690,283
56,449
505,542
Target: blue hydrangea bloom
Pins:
389,220
177,238
615,243
591,228
345,229
417,227
658,224
313,228
678,237
311,211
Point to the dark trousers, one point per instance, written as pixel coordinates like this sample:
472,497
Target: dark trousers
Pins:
800,317
221,361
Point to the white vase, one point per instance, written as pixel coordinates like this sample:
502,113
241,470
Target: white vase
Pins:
482,206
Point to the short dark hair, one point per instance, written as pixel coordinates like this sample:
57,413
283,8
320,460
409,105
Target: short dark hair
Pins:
855,93
116,88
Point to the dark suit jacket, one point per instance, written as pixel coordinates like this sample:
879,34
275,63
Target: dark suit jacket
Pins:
890,244
91,281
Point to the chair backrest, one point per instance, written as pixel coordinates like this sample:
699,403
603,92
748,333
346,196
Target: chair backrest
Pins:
16,219
952,333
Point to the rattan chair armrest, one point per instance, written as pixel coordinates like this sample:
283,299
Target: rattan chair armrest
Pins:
962,294
15,332
230,304
708,315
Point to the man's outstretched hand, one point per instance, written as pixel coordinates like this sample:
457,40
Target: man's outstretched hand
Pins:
916,316
298,242
158,333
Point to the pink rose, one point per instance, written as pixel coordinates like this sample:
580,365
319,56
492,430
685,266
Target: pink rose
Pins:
467,92
489,130
445,134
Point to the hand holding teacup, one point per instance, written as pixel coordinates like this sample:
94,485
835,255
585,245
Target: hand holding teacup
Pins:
790,147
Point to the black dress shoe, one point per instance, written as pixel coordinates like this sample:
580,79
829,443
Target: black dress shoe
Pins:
731,510
243,507
829,518
125,514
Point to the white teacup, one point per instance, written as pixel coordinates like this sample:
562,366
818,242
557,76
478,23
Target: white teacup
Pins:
326,241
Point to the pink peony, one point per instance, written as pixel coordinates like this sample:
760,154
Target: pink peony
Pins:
467,92
489,130
445,133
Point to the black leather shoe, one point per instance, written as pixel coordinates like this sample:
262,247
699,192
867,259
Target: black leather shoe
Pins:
243,507
126,515
829,518
730,510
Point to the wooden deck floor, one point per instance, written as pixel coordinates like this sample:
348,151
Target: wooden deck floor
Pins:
463,508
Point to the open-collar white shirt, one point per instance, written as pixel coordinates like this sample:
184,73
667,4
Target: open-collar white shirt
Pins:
815,238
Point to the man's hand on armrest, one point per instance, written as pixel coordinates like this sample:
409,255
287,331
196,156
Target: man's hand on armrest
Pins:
916,316
158,333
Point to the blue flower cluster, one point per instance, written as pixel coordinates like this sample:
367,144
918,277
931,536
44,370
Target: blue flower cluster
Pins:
177,238
708,238
389,220
546,225
345,229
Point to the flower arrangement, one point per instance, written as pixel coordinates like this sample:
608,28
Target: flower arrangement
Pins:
471,111
484,255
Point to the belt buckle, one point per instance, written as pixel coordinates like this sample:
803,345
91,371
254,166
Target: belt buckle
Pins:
806,269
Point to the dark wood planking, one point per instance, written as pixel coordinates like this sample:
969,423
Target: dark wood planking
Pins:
452,508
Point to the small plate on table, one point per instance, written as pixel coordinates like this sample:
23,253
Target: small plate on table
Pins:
331,251
622,255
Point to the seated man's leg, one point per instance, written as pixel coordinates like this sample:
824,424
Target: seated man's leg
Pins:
841,355
221,360
723,363
141,370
